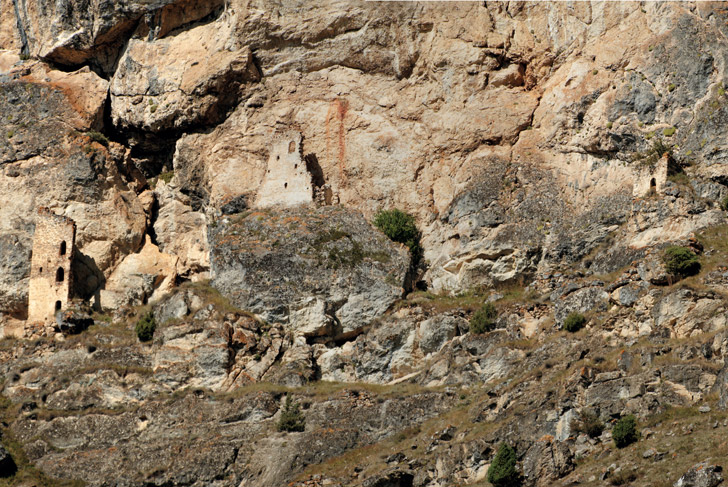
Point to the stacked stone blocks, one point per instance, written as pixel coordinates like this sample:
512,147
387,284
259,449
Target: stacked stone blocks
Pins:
50,274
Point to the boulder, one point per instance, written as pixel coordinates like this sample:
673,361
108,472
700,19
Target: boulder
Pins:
701,475
308,267
545,462
73,322
141,277
510,76
435,331
181,231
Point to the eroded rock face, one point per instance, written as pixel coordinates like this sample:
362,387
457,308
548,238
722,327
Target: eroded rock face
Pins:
15,268
179,82
272,262
141,277
182,232
547,461
75,32
52,157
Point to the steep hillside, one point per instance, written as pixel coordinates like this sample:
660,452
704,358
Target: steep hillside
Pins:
221,164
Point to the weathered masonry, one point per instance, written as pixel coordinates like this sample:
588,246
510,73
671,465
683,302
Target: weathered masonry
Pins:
287,181
50,272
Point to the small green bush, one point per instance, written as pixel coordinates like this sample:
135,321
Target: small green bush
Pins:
400,227
625,431
484,319
166,176
574,322
681,261
588,423
145,327
291,417
98,137
724,204
502,472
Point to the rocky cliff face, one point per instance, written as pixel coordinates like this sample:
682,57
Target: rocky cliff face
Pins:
549,152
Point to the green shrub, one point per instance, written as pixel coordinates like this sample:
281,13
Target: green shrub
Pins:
145,327
588,423
502,472
724,204
291,417
574,322
625,431
484,319
680,261
400,227
98,137
166,176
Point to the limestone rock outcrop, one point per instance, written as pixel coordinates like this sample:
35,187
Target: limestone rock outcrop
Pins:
323,271
549,152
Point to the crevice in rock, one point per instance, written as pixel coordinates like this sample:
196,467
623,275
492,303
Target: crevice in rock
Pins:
213,16
24,49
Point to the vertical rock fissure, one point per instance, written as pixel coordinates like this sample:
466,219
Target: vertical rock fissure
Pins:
24,49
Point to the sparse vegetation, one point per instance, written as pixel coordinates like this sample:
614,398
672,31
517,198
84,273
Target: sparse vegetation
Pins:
588,423
669,132
98,137
724,204
484,319
654,153
625,431
145,327
679,178
166,176
291,417
681,261
574,322
502,472
400,227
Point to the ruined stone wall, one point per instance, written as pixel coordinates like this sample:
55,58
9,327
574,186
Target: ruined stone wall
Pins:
50,273
287,181
651,178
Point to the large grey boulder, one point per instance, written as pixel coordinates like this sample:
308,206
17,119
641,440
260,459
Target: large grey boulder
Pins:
322,271
546,462
701,475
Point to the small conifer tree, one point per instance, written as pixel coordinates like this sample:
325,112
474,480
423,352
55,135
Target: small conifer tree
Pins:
291,417
145,327
502,472
625,431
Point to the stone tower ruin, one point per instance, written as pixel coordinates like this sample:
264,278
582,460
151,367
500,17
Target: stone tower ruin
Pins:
50,271
287,181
